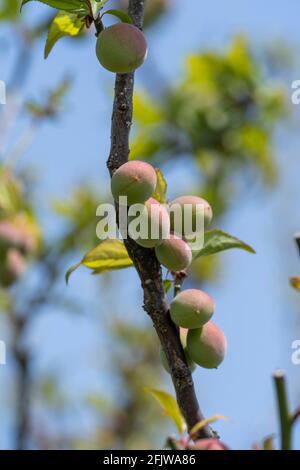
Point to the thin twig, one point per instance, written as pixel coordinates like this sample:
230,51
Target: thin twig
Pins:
283,410
179,278
295,416
145,261
297,240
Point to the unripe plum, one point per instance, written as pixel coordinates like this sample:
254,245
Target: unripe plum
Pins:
135,180
156,222
174,253
191,209
207,345
191,308
121,48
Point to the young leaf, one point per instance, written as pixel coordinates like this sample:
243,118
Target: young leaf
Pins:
9,10
64,24
204,423
295,282
160,193
167,285
124,17
107,256
170,407
66,5
216,240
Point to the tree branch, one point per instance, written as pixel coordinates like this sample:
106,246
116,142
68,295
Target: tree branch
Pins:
145,261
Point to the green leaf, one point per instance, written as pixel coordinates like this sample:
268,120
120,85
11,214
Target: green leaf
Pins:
216,240
170,407
107,256
205,422
167,285
9,10
124,17
66,5
160,193
64,24
295,282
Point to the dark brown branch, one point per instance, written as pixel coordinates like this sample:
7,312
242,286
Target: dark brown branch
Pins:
147,266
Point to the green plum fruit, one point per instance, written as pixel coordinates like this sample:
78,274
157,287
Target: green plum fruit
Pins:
191,308
174,253
207,345
135,180
121,48
186,213
153,224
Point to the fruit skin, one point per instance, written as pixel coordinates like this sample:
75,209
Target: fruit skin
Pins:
174,253
121,48
156,216
195,207
191,308
190,362
207,345
136,180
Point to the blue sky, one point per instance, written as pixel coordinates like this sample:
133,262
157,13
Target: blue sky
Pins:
256,308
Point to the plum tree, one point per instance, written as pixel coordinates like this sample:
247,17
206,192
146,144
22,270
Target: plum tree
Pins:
121,48
183,339
207,345
154,221
189,210
191,308
174,253
135,180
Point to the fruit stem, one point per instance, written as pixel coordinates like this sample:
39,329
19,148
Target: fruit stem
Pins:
179,278
98,25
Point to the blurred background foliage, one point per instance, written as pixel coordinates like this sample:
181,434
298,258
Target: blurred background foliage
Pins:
220,115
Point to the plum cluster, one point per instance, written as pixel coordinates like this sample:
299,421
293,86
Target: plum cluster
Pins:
136,181
191,310
205,342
